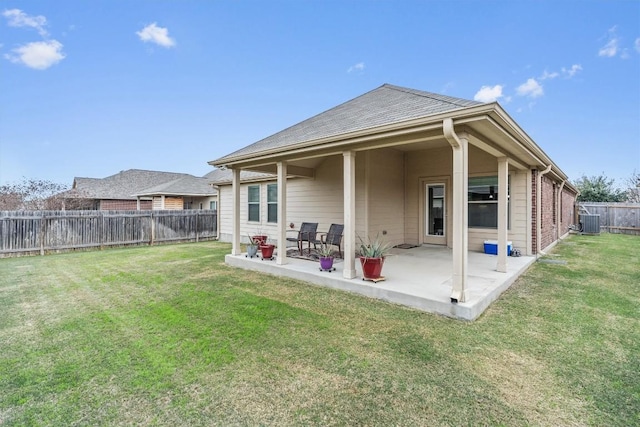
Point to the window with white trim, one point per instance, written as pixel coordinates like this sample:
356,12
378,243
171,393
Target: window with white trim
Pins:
253,198
272,203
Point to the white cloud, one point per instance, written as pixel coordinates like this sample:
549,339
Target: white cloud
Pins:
357,67
637,44
158,35
530,88
571,71
37,55
547,75
610,49
17,18
489,94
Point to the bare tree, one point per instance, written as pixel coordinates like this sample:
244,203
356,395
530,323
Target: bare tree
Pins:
633,187
31,194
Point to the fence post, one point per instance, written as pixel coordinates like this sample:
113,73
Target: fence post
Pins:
153,228
101,228
43,231
197,216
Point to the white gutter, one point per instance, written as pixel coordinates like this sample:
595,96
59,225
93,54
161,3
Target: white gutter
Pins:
538,209
460,212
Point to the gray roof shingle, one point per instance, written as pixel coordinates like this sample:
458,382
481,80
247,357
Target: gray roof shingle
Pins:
385,105
127,184
224,176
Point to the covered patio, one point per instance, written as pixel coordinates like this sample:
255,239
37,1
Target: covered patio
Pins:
419,277
440,173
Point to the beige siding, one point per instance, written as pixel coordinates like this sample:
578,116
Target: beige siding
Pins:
157,203
436,164
386,195
424,165
389,196
308,200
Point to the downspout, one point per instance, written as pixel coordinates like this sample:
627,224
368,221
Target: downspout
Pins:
539,210
460,216
559,210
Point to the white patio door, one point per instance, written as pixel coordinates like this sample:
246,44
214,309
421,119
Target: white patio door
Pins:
435,221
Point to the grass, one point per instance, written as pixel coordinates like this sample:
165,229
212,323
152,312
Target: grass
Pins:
170,335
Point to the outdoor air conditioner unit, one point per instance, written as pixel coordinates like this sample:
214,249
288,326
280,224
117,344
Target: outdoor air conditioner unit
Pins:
590,223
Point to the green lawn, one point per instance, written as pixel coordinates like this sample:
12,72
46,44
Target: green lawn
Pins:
169,335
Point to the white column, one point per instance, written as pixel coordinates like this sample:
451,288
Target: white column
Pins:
349,181
503,182
235,189
460,219
162,202
281,257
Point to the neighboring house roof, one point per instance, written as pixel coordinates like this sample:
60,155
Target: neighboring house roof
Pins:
385,105
185,186
127,184
224,176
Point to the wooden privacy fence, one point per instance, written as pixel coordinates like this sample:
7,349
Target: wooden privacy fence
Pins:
32,232
619,218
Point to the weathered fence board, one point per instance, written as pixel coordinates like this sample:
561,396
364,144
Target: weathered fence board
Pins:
24,232
619,218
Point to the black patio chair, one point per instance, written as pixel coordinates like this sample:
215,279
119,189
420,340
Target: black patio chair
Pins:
307,233
333,237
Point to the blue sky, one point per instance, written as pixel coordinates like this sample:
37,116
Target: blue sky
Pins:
92,88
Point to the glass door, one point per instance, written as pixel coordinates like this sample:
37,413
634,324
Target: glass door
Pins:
435,215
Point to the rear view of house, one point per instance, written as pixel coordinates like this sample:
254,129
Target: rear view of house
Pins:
412,166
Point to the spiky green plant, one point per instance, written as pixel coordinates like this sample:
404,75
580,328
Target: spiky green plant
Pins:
374,248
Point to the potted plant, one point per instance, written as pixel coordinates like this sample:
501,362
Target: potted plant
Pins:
266,249
252,247
325,255
259,237
372,255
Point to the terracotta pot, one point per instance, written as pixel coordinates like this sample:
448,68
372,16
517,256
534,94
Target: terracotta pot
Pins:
371,267
326,263
260,239
267,250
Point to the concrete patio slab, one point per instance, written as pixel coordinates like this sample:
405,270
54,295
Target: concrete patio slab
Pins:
419,277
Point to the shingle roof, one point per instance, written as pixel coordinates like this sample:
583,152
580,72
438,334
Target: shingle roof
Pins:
224,176
185,186
385,105
126,184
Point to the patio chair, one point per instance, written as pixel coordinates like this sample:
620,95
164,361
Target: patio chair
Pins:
307,233
333,237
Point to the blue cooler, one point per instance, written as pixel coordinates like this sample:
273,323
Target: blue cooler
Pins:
491,247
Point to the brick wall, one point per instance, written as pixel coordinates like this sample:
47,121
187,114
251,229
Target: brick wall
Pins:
124,205
548,229
567,207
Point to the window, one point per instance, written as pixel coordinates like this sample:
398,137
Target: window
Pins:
483,202
254,203
272,203
213,205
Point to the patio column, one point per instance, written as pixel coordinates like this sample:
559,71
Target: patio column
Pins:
349,182
235,189
460,146
503,218
281,257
